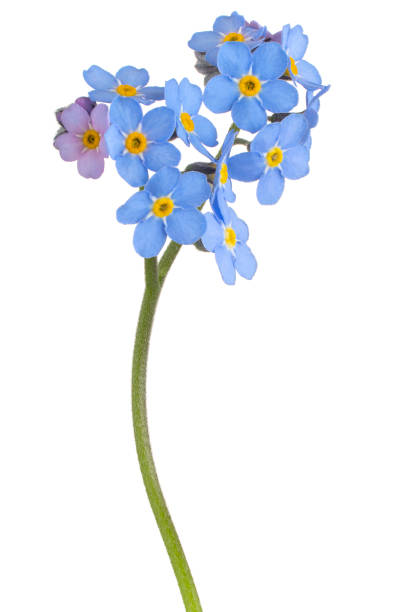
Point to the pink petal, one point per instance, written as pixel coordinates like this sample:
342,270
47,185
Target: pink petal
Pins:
75,119
91,164
69,146
99,118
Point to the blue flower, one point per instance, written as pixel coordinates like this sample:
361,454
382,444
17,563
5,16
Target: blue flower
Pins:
277,152
185,100
249,84
233,28
222,188
166,207
294,42
227,239
139,144
129,82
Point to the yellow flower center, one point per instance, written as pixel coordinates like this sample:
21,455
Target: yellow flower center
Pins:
293,68
234,37
274,157
126,90
230,237
163,207
91,139
136,143
249,85
224,174
187,122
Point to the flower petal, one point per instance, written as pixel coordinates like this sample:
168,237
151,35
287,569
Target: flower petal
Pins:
246,167
213,235
205,130
135,209
296,42
245,262
102,95
114,141
132,170
190,96
126,114
225,262
91,164
191,190
149,237
158,124
185,226
137,77
163,182
172,95
195,141
269,61
279,96
100,118
70,146
220,94
159,154
234,59
293,130
266,138
75,119
238,225
249,114
308,75
202,41
98,78
226,24
150,94
270,187
295,163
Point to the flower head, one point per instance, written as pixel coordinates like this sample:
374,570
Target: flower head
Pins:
185,100
227,238
294,42
83,141
129,82
226,29
139,143
166,207
249,83
277,152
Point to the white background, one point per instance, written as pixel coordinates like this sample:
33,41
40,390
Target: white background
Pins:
278,407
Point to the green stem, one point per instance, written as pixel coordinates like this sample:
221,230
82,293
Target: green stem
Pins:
155,275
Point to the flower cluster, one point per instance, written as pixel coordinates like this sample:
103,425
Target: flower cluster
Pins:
253,75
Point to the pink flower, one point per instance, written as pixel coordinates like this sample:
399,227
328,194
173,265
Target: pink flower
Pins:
84,140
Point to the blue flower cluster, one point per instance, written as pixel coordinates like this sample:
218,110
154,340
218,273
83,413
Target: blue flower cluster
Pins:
253,75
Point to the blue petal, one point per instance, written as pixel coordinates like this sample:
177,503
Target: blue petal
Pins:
269,61
229,194
270,187
158,124
98,78
137,77
245,262
149,237
234,59
131,168
214,234
182,133
172,95
202,41
114,141
225,262
212,55
163,182
279,96
151,93
102,95
266,138
205,130
192,190
126,113
292,131
296,43
161,154
190,96
135,209
295,163
185,226
246,166
225,24
308,75
219,204
238,225
249,114
195,141
220,94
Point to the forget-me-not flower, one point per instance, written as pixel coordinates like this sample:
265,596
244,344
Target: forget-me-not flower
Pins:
129,82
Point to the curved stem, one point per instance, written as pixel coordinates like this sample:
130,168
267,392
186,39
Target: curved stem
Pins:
155,275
